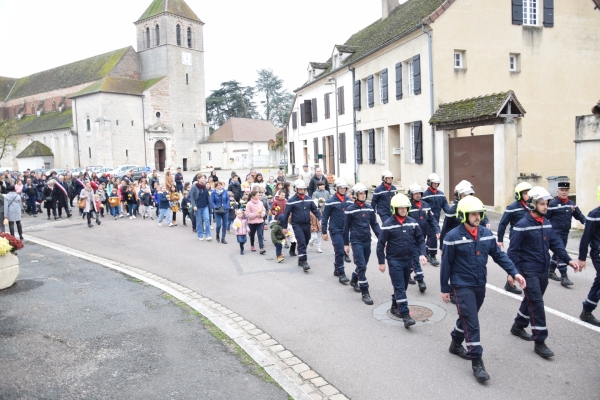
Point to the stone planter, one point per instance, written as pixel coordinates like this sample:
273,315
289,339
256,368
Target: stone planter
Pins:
9,270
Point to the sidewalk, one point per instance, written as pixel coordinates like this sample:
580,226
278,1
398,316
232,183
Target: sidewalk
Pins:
73,329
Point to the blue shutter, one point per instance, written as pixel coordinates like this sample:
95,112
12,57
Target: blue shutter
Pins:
357,95
370,96
517,12
294,120
302,115
418,142
549,13
308,111
358,139
314,110
417,73
372,146
398,81
384,85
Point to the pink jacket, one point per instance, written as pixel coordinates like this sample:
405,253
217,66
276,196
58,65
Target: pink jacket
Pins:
243,229
252,208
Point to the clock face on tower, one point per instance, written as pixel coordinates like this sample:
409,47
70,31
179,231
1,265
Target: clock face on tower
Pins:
186,58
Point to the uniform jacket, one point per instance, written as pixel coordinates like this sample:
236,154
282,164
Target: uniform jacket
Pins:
425,218
513,214
399,241
530,243
464,260
300,210
314,184
451,222
560,215
591,236
382,198
358,222
334,214
437,201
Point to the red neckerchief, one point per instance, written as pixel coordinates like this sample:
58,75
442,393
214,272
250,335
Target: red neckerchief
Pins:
360,204
418,204
434,191
564,201
523,203
472,232
538,219
400,219
388,187
300,196
342,198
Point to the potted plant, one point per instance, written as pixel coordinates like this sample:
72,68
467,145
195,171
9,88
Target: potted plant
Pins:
9,262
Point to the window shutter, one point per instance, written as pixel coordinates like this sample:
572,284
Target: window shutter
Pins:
341,104
308,111
418,142
549,13
342,147
316,149
292,153
314,110
517,12
372,146
327,106
294,120
357,95
398,81
384,85
331,154
359,158
302,115
370,96
417,73
324,155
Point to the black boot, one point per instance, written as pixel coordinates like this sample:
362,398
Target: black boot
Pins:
564,279
354,284
347,258
343,279
542,350
589,318
552,273
293,250
300,263
223,241
335,272
433,261
366,298
305,266
408,321
422,286
512,289
520,332
458,349
479,371
411,281
90,225
394,310
218,238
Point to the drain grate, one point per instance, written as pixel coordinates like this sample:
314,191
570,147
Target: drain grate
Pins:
418,313
423,313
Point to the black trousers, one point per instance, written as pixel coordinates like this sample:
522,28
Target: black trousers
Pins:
11,227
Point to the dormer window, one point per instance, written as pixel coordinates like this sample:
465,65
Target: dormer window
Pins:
311,74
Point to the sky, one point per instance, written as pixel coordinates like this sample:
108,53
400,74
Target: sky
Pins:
240,36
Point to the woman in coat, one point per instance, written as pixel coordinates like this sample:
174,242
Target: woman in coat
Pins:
12,211
220,198
169,180
90,203
48,199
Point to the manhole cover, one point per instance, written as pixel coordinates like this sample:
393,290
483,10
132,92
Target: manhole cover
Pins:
423,313
418,313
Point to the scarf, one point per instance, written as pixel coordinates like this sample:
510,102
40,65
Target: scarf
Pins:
472,232
360,204
418,204
400,219
340,197
434,191
523,204
564,201
200,186
538,219
300,196
219,192
387,186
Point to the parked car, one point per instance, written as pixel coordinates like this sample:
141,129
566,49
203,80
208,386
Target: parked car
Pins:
282,164
106,170
136,175
122,169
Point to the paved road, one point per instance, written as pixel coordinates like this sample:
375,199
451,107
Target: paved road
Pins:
329,328
70,329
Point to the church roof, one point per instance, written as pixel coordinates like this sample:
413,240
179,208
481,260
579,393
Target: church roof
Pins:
244,130
47,122
6,84
175,7
88,70
36,149
119,86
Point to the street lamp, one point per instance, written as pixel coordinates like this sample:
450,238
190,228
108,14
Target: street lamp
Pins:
333,81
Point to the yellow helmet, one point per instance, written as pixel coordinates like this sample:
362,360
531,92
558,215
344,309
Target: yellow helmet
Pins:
469,204
400,201
521,187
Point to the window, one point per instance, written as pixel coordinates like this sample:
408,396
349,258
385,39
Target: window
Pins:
131,123
158,114
294,120
53,105
382,145
411,79
316,149
399,81
178,30
370,93
292,153
341,104
327,106
189,37
412,143
305,112
187,79
147,38
89,151
117,121
357,96
194,126
157,35
458,59
513,63
414,75
126,153
415,142
380,89
88,125
530,12
372,146
314,110
209,156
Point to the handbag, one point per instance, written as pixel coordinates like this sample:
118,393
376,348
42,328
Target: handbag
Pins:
49,198
220,210
81,203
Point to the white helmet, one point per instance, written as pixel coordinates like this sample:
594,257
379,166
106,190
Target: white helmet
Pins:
359,187
300,184
433,178
386,174
341,183
535,194
465,188
415,188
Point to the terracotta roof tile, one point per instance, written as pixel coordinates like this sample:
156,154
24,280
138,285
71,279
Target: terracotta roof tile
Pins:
244,130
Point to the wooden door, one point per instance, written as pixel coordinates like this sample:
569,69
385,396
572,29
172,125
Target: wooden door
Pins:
471,158
159,155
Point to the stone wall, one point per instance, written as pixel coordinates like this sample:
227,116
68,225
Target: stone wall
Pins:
587,162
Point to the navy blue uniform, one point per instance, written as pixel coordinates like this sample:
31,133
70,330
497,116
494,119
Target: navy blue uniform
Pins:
513,214
438,202
426,220
333,218
528,250
300,207
399,241
464,264
357,231
382,197
560,215
451,222
591,238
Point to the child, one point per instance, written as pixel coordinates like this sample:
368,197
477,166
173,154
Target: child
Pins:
145,201
315,232
241,228
99,205
131,199
291,237
164,207
101,192
278,208
114,201
233,206
185,205
321,195
278,237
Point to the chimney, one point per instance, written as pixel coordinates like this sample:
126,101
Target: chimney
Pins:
387,7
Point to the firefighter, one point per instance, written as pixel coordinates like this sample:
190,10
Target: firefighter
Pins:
359,220
532,237
438,202
561,210
400,235
333,218
463,272
382,196
300,206
591,238
421,212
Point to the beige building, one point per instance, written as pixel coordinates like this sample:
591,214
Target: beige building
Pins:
523,60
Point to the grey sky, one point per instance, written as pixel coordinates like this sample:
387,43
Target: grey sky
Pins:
241,36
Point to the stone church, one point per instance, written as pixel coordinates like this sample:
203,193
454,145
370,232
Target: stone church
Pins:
144,107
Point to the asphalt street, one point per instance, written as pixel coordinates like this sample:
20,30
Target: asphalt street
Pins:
71,329
328,327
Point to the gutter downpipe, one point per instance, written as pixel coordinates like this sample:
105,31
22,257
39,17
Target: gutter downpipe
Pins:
354,125
144,128
428,33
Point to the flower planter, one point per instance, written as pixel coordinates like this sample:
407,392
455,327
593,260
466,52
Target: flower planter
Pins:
9,270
